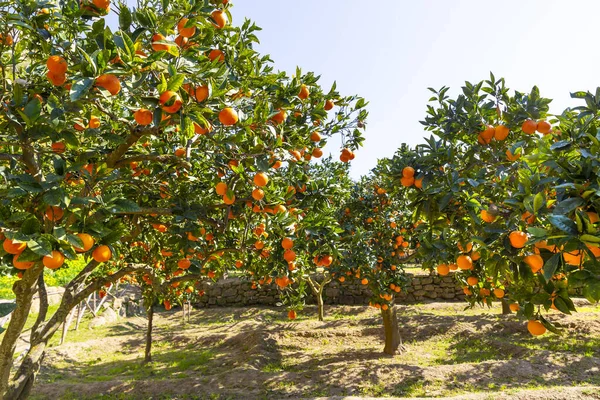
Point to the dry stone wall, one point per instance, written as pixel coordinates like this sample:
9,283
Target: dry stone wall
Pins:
238,292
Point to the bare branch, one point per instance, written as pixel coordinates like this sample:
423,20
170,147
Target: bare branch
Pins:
8,157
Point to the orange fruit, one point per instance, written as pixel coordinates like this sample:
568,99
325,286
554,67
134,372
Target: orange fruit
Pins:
170,101
512,157
221,188
184,263
220,18
292,314
181,41
58,147
514,307
216,54
180,152
109,82
501,132
419,183
304,92
408,172
258,194
534,261
472,280
56,260
407,181
228,200
280,117
364,281
528,217
488,134
287,243
536,328
499,293
452,267
103,5
228,116
593,217
289,255
487,217
21,264
200,93
464,262
13,248
94,122
56,79
443,269
544,127
574,258
518,239
167,305
317,152
57,65
199,130
102,254
329,105
54,213
183,31
261,179
466,249
143,117
315,136
88,242
156,46
529,127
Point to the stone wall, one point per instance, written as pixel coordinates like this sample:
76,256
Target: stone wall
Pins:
238,292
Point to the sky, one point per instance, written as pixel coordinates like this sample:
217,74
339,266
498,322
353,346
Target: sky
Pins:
391,51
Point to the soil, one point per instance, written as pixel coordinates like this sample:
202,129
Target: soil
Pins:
255,353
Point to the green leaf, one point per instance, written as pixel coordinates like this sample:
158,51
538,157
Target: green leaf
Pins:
563,223
33,109
591,290
551,265
175,82
538,202
568,205
80,87
40,245
590,238
537,232
560,145
125,18
54,197
124,205
31,226
561,305
74,241
7,308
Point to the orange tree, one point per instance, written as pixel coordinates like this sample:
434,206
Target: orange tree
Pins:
377,242
156,134
508,197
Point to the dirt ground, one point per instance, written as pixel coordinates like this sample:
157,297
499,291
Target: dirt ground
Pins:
256,353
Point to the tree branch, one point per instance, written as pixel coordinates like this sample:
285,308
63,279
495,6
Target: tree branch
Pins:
134,136
8,157
152,157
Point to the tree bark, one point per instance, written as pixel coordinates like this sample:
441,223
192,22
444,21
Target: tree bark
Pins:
24,290
43,298
317,290
393,340
505,307
148,350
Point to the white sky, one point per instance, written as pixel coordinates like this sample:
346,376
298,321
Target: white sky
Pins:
390,51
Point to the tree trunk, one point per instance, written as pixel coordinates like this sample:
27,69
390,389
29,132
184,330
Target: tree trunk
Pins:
393,341
24,290
148,351
317,290
505,307
66,326
43,298
320,304
23,381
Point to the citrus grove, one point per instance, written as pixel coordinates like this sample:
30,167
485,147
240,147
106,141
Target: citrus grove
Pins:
167,152
161,152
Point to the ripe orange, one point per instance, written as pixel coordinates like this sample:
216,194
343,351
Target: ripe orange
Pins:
304,92
199,130
528,217
529,127
443,269
261,179
464,262
58,147
329,105
407,181
593,217
109,82
201,93
183,31
472,280
535,327
54,213
56,260
419,183
21,264
228,116
56,79
408,172
518,239
184,263
167,305
364,281
180,152
487,217
216,54
574,258
534,261
103,5
512,157
94,122
228,200
258,194
466,248
88,242
8,40
488,134
181,41
220,18
499,293
57,65
514,307
292,314
315,136
102,254
221,188
289,255
280,117
156,46
13,248
317,152
170,101
143,117
544,127
501,132
287,243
